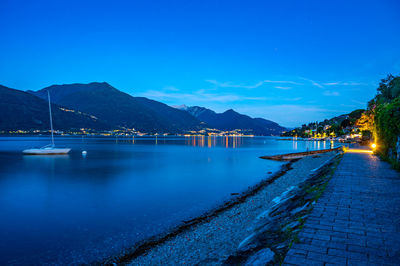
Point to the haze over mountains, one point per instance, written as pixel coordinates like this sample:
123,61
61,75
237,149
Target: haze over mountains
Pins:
100,106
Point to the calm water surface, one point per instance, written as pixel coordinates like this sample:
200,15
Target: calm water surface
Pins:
75,209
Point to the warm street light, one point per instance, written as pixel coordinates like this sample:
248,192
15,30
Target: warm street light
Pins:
373,146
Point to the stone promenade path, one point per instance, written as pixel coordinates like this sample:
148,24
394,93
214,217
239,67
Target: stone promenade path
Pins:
357,219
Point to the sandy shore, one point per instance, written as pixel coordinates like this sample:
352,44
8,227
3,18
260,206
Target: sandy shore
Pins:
212,241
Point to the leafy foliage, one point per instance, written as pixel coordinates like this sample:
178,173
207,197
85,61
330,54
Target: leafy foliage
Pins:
382,117
388,89
387,121
366,121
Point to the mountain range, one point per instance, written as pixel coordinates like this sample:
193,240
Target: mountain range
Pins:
119,109
24,111
230,120
99,106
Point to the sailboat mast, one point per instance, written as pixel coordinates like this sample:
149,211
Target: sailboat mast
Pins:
51,121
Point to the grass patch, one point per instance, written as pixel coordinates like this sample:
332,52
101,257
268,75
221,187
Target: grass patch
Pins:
395,163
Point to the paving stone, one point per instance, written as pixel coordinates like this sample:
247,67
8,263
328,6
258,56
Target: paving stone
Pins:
326,258
312,248
326,237
297,252
306,235
337,252
355,248
295,260
338,234
357,219
355,262
298,261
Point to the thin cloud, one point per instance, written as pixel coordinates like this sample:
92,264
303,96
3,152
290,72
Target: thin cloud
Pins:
258,84
321,85
198,96
292,115
331,93
295,108
171,88
283,82
318,84
313,82
283,88
293,99
340,83
288,114
331,83
231,85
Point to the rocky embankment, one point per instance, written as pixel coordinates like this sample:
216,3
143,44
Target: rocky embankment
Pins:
276,229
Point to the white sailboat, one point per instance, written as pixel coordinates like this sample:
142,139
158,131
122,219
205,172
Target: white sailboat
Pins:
49,149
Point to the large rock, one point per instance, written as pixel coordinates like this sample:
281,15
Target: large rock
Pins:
276,227
261,258
300,210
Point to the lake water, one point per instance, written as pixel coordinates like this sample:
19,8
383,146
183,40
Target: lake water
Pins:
76,209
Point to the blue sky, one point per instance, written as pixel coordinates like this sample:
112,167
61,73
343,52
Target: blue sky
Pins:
288,61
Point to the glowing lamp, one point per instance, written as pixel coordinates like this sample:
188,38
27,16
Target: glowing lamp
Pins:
373,145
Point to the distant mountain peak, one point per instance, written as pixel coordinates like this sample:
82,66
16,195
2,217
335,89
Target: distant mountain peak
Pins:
104,83
92,85
230,111
181,107
198,111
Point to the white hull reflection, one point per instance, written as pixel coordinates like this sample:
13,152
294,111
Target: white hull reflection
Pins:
46,151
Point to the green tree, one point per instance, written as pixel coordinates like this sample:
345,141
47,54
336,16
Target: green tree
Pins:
387,120
389,89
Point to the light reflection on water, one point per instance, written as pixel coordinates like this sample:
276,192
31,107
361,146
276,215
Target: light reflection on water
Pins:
213,141
74,208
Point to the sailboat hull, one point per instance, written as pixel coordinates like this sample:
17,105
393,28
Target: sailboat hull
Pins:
54,151
48,149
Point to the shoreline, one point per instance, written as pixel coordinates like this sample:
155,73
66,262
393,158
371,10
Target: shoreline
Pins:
140,248
146,246
298,155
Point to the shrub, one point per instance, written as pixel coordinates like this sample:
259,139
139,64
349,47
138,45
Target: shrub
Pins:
387,122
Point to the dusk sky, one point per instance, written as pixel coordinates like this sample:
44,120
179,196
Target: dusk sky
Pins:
288,61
